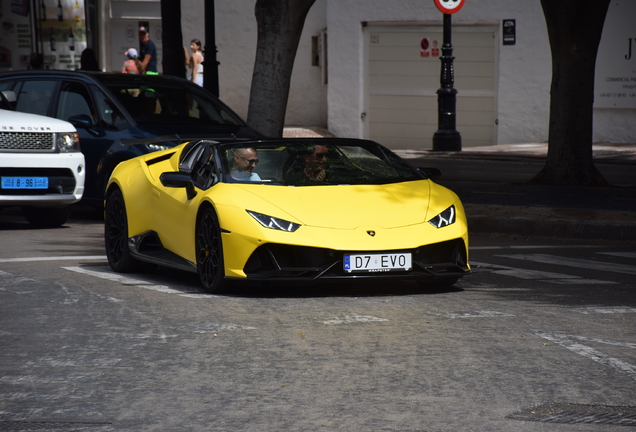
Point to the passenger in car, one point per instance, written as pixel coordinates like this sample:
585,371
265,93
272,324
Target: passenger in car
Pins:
311,167
244,160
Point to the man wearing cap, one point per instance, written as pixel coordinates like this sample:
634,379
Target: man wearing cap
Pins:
147,52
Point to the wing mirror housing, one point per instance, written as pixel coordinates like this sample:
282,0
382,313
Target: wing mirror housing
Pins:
430,173
83,121
179,180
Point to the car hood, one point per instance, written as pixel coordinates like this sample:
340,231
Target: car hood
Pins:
345,206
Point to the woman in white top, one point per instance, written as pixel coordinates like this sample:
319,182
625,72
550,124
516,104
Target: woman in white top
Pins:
195,62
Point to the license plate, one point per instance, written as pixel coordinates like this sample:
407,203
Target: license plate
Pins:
25,182
377,263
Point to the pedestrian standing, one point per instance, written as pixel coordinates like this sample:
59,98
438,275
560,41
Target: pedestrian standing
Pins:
147,52
196,62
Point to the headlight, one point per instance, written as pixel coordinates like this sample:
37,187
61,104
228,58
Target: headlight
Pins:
274,223
445,218
157,147
68,142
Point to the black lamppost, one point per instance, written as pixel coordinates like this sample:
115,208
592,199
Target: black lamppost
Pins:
210,64
447,138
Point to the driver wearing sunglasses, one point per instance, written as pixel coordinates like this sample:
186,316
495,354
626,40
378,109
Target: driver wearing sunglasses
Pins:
316,163
244,161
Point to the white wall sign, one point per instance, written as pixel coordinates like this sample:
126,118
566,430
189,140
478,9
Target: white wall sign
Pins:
615,78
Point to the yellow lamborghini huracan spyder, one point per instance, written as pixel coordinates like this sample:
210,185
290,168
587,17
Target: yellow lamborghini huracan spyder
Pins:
299,210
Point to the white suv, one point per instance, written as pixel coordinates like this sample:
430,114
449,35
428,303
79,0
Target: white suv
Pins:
41,167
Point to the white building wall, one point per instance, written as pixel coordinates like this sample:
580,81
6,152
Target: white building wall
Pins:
524,68
236,50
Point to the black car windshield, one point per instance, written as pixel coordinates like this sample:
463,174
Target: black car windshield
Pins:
312,162
157,99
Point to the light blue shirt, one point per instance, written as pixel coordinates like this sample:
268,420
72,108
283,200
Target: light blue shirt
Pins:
245,176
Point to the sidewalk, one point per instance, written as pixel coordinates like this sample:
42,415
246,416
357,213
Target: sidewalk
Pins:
508,206
491,181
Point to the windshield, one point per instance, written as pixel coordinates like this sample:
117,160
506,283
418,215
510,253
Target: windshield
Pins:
313,162
151,99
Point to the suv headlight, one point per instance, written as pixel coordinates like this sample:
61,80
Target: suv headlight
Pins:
273,222
68,142
445,218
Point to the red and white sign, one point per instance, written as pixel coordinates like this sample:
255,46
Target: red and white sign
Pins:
424,48
449,6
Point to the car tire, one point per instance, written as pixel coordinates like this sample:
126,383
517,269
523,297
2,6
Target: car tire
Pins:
116,234
46,217
209,252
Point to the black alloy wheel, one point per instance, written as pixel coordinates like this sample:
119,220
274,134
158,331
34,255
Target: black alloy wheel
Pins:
210,252
116,234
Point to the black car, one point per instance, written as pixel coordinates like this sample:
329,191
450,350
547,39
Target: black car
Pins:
107,108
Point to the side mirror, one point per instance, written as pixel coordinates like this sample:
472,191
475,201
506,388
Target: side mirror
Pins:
10,96
179,180
430,173
83,121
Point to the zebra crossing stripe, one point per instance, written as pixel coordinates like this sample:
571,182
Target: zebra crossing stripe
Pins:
569,342
574,262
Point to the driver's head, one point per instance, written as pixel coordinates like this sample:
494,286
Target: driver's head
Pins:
245,159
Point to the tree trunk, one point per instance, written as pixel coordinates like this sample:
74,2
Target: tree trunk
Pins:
280,24
574,30
173,61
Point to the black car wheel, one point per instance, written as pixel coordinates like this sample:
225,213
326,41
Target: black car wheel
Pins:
116,234
210,252
46,217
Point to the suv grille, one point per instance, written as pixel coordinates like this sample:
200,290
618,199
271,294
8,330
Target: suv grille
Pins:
27,141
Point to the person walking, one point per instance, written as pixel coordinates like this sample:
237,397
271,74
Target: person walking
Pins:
147,52
195,62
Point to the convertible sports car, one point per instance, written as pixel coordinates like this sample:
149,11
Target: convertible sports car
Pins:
284,210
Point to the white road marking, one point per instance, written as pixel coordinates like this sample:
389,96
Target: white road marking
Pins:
54,258
160,336
574,262
124,280
557,278
46,396
47,379
604,310
53,412
475,314
199,296
350,319
51,362
620,254
215,328
566,341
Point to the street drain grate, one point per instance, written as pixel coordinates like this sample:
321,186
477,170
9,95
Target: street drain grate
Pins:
575,413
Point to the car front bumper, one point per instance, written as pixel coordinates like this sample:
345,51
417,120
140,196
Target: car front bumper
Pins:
66,173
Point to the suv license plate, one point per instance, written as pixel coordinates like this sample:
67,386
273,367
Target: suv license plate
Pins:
372,263
25,182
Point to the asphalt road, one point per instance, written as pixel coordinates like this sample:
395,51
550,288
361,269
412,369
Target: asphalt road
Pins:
540,337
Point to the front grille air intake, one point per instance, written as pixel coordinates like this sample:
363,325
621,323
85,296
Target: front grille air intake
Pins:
27,141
